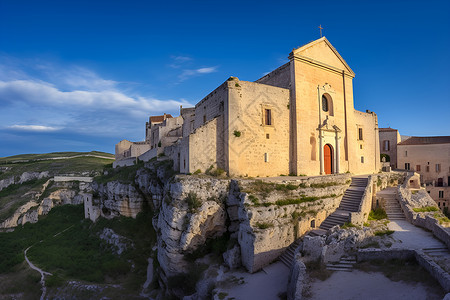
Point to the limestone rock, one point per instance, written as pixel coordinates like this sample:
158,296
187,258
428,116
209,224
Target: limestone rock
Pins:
119,242
4,183
232,257
208,222
312,247
27,176
296,280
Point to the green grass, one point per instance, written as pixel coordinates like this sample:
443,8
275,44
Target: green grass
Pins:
78,253
441,218
264,225
426,209
75,165
377,214
323,185
384,232
193,201
347,225
14,196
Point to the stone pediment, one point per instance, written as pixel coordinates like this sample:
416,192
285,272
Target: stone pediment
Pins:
323,52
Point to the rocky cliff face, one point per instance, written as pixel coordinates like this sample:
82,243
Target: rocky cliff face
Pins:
24,177
262,217
51,194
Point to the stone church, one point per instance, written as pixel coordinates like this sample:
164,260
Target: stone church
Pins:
298,119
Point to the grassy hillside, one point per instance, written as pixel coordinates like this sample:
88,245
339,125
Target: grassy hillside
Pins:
77,253
55,163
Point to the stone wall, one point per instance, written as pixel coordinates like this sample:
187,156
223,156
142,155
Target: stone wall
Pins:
267,228
254,148
366,157
72,178
280,77
409,201
393,137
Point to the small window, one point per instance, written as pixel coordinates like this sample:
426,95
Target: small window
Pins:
407,166
441,194
266,157
325,103
386,145
360,146
204,119
427,169
418,168
438,168
268,116
360,134
439,204
429,192
267,136
443,204
362,159
406,153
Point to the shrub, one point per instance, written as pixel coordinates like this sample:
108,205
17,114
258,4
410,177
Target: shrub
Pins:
236,132
347,225
193,201
323,185
377,214
264,225
384,232
425,209
197,172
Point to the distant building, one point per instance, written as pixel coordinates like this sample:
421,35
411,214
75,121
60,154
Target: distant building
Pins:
297,119
430,157
389,138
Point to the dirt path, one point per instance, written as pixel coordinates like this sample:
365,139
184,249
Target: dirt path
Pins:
43,273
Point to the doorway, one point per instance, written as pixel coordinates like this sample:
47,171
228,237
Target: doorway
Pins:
328,158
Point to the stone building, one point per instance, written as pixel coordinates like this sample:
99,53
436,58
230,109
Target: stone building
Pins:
389,138
298,119
430,157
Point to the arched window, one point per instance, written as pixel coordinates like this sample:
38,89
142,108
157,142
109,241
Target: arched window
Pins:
324,103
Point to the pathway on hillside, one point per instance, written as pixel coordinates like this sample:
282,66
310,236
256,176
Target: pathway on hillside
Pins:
42,272
60,157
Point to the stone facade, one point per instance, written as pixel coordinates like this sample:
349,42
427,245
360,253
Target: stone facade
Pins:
298,119
389,138
430,157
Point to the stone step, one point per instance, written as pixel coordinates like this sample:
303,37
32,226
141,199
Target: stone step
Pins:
317,232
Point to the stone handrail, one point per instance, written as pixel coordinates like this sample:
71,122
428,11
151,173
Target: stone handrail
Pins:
359,217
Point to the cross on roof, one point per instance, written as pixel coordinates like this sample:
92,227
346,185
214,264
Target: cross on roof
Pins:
320,27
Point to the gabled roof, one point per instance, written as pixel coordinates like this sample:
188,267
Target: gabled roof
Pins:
386,129
304,48
426,140
159,119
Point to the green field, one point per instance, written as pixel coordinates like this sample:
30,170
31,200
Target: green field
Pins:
78,253
16,165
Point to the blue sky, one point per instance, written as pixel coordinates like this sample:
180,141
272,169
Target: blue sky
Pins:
82,75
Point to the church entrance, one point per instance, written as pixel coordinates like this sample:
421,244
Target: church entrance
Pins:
328,158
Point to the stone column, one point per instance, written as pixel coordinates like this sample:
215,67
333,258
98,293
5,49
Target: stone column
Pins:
321,152
337,154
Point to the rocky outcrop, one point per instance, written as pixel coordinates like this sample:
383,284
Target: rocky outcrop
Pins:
4,183
296,280
118,199
118,242
58,194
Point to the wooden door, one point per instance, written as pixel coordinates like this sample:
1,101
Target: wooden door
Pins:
328,158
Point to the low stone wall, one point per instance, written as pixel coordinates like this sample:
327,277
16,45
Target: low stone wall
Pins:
384,254
434,269
72,178
151,154
404,254
420,219
359,217
124,162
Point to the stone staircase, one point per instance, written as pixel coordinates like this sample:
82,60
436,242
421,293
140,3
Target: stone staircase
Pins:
349,203
393,209
288,255
345,264
437,252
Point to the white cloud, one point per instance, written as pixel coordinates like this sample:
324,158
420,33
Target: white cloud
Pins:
35,128
186,74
